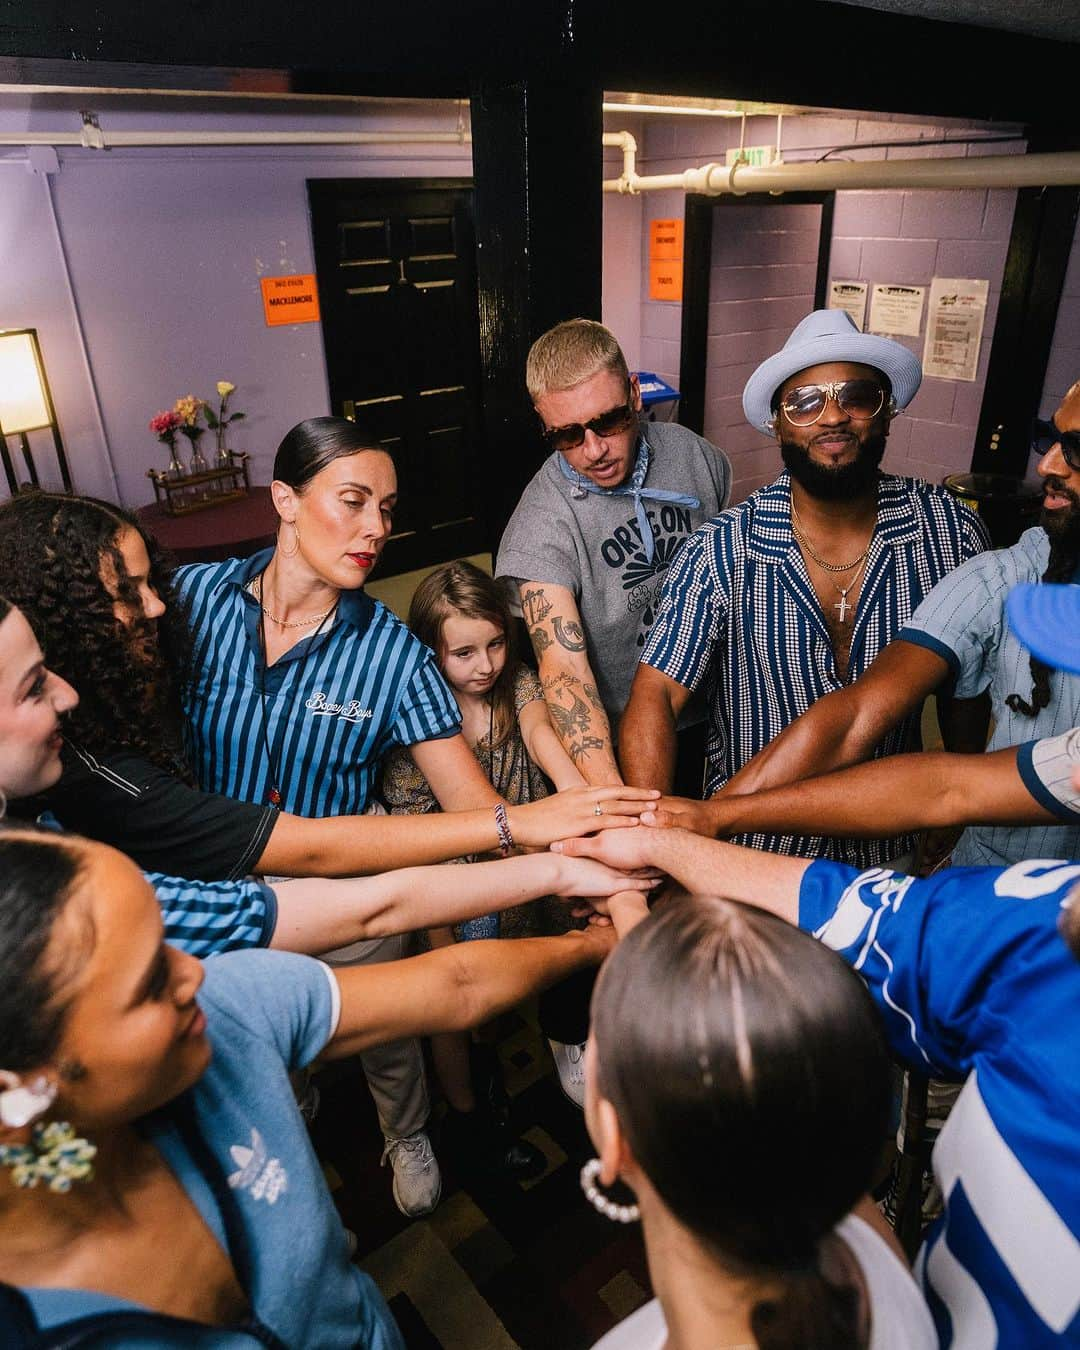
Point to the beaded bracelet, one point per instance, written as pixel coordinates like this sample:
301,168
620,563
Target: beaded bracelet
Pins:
502,824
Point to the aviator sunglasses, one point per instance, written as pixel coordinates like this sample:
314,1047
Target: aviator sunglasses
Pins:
603,425
858,399
1045,435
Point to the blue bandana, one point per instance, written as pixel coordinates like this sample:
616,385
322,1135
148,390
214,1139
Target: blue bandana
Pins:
635,488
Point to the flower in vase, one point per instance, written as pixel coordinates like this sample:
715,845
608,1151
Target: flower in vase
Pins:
188,410
165,426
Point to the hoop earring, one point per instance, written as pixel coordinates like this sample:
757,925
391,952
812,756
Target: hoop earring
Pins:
291,552
608,1208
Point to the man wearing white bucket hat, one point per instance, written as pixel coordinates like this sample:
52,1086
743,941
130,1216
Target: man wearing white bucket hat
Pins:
792,593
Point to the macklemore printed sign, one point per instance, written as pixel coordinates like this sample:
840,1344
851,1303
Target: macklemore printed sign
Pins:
288,300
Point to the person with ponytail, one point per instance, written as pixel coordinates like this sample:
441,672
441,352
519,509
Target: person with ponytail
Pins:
957,639
747,1122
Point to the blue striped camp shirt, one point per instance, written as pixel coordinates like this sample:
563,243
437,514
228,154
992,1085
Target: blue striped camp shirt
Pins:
335,702
207,918
739,617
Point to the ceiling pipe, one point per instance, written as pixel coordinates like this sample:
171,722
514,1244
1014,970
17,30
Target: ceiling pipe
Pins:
110,140
1003,171
624,141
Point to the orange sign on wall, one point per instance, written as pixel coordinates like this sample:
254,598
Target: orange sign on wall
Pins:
665,259
288,300
665,239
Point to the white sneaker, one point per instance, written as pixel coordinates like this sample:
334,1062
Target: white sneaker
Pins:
570,1062
417,1182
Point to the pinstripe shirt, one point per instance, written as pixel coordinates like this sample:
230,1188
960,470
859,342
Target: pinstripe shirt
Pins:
207,918
334,703
739,617
964,622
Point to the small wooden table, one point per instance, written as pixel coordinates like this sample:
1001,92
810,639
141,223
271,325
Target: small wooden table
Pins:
234,529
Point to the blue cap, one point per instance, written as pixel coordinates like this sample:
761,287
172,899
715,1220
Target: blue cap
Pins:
1046,619
823,336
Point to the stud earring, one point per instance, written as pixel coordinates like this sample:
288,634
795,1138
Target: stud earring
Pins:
291,552
608,1208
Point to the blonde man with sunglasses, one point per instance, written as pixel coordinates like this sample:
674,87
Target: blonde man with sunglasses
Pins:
791,594
586,551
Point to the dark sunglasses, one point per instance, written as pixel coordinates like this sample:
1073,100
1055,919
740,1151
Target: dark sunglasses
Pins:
608,423
858,399
1045,435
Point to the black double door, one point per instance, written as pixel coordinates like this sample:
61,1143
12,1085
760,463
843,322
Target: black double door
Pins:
396,264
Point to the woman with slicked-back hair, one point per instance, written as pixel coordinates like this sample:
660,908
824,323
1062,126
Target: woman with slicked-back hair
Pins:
747,1119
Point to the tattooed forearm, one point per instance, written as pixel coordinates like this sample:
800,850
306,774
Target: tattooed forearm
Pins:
569,634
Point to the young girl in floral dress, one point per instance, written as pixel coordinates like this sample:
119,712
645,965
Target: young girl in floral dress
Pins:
460,613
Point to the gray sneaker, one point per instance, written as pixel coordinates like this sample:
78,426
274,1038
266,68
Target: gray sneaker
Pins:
417,1182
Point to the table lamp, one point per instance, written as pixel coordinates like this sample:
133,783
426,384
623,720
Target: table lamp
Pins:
26,404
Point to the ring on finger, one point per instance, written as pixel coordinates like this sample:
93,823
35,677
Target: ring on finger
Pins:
598,810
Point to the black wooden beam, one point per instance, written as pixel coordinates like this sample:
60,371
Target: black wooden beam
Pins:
811,52
537,168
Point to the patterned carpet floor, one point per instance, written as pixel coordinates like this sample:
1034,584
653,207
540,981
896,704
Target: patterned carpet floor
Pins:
497,1265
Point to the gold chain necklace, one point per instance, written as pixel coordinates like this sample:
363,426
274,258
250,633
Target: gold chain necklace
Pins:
800,534
256,591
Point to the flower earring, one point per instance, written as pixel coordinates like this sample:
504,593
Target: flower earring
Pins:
608,1208
55,1155
291,552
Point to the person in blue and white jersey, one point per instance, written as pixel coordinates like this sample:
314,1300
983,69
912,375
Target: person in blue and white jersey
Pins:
976,973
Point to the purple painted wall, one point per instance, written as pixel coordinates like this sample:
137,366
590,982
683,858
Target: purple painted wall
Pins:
166,249
1063,368
906,237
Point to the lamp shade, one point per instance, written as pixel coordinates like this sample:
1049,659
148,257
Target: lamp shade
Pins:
23,403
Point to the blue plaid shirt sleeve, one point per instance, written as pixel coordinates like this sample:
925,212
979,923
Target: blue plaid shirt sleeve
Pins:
692,616
206,918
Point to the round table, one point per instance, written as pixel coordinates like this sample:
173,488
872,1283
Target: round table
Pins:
234,529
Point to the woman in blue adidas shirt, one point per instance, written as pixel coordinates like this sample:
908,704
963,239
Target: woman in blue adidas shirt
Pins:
178,1075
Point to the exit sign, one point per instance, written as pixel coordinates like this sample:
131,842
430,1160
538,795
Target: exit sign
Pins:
760,156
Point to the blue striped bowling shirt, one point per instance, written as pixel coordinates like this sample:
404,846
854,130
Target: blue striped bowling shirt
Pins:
740,618
207,918
335,702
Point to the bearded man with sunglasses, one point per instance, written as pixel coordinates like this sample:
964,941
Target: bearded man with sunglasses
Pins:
791,594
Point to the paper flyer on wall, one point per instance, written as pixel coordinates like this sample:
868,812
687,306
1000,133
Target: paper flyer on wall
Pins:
850,296
896,310
954,327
